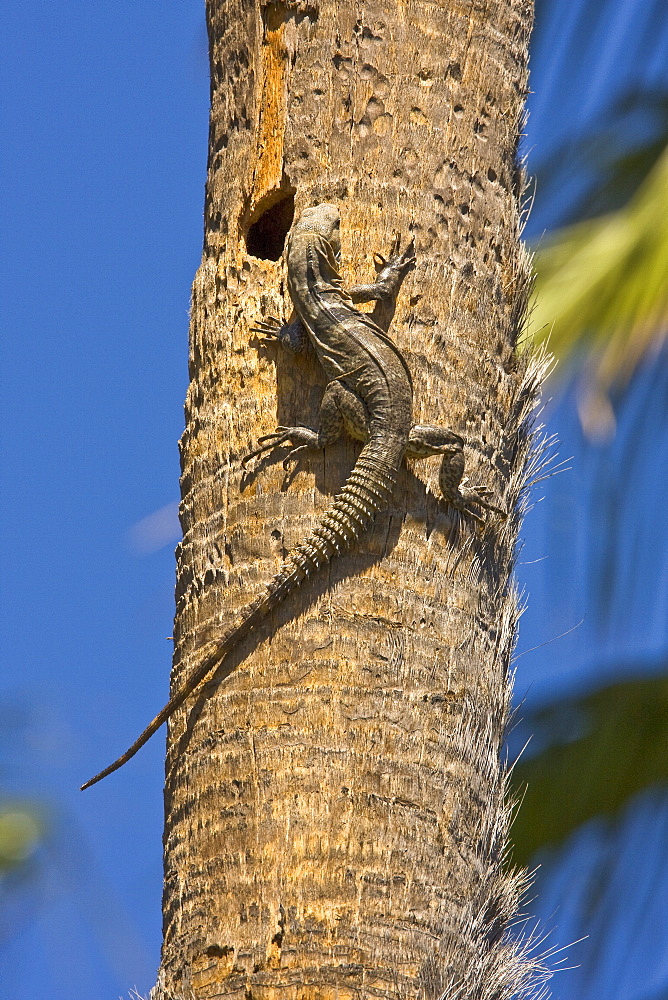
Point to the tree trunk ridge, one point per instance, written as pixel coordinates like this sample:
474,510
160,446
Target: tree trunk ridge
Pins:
335,821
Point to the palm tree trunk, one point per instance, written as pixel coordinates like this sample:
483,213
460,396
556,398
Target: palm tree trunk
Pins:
334,795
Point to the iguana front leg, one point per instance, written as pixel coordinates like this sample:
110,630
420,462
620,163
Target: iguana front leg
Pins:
384,290
340,409
292,336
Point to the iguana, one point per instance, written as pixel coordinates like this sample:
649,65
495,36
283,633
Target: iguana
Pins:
369,394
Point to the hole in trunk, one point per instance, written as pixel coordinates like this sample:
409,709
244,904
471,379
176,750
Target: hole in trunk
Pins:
266,235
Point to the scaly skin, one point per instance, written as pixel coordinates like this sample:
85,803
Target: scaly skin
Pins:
369,393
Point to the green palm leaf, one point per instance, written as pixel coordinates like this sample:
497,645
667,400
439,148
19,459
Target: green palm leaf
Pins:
602,289
599,752
21,831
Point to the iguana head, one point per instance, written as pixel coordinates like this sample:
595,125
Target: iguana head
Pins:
322,219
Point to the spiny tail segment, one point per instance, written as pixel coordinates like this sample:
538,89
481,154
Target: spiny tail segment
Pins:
367,491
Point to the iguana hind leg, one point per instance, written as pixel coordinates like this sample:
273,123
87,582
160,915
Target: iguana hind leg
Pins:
425,440
340,409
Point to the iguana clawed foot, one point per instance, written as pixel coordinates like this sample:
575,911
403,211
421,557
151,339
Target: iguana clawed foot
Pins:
462,498
453,482
301,439
269,329
290,335
397,263
391,272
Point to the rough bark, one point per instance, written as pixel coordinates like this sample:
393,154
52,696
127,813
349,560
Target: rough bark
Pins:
334,795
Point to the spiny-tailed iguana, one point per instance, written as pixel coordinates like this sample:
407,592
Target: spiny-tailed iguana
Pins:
369,394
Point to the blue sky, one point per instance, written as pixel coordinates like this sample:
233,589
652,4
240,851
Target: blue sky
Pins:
103,167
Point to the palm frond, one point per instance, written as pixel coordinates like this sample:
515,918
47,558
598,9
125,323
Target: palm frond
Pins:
596,753
22,828
602,291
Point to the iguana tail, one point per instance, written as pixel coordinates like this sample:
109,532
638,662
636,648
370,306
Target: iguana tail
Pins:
367,491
